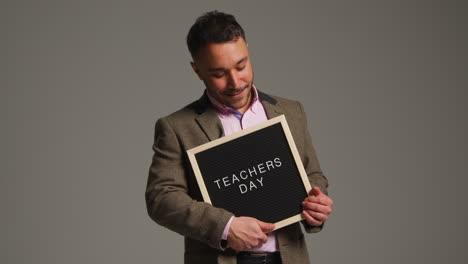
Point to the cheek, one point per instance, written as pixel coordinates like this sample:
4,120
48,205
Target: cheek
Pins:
218,85
246,75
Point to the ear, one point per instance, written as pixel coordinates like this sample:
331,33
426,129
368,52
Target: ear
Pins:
195,69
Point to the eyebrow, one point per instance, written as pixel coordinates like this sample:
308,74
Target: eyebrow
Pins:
222,69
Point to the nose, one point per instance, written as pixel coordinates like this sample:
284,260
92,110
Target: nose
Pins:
233,80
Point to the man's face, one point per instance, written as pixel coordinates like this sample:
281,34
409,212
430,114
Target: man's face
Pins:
226,70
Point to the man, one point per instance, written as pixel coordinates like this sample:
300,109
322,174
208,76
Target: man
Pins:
230,103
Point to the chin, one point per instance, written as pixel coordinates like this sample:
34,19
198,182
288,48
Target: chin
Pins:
240,104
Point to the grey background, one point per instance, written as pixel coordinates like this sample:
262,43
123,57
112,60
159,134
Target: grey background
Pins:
384,84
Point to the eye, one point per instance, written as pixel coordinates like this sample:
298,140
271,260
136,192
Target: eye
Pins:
241,68
218,75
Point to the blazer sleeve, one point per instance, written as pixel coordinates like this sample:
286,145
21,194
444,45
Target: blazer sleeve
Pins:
312,168
167,199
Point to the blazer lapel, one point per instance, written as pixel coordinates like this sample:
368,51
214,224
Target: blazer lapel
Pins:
208,119
271,106
209,122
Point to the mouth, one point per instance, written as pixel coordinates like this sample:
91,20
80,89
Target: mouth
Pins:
236,92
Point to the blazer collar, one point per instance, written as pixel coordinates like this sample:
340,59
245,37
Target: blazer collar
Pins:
272,108
208,119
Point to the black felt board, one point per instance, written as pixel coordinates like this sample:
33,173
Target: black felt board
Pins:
283,189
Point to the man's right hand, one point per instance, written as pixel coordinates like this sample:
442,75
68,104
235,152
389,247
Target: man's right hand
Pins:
247,232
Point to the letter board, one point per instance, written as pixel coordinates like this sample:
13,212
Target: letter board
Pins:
255,172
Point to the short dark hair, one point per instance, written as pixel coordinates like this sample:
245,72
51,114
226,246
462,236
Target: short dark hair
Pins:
213,27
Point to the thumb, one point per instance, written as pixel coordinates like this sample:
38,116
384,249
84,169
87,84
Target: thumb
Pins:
266,227
315,191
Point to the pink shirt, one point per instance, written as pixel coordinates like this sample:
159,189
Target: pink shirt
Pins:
233,121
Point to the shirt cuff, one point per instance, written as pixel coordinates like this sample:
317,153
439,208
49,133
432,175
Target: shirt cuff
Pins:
226,229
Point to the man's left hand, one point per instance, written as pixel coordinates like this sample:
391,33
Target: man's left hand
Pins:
317,207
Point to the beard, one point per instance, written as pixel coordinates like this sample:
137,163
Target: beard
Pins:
241,102
234,91
225,97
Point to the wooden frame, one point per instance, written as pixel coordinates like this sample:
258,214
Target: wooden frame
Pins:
295,155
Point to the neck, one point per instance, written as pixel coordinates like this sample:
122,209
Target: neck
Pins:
250,100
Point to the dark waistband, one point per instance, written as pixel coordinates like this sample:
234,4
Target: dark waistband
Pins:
257,253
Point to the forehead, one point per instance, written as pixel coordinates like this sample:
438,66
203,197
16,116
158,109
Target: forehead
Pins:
225,54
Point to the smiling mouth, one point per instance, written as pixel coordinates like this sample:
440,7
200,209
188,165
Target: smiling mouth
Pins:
235,92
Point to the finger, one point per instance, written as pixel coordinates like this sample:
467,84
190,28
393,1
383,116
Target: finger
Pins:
262,239
266,227
322,199
318,216
310,220
324,209
315,191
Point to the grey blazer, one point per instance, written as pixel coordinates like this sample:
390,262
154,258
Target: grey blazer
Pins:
174,200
